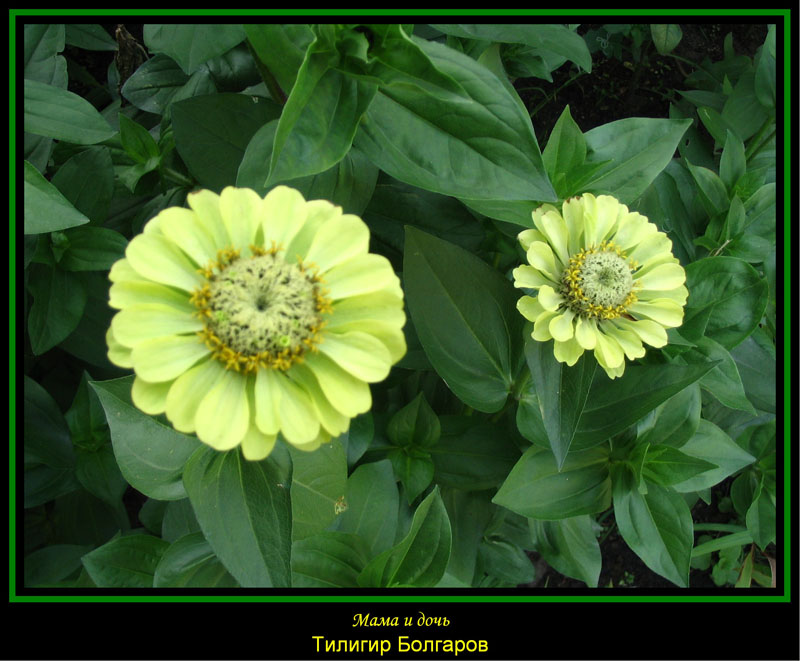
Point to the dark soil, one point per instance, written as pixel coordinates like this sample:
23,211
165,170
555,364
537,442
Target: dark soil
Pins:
621,88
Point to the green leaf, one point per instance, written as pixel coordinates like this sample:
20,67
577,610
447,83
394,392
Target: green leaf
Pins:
666,36
136,140
87,181
712,444
281,49
545,39
734,540
80,518
189,562
711,188
511,211
470,513
414,468
88,340
536,488
667,466
761,517
86,419
566,147
151,455
434,137
212,133
657,526
472,456
756,364
349,183
46,209
465,316
59,298
63,115
178,520
723,381
421,557
675,421
742,110
154,84
319,482
570,547
614,405
726,302
51,564
395,204
637,149
99,474
191,45
320,118
765,84
372,501
328,560
125,562
89,37
732,163
245,513
92,249
562,392
48,454
505,561
42,44
415,424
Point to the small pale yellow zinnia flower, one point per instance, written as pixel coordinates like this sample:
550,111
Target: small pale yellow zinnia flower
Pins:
606,280
244,318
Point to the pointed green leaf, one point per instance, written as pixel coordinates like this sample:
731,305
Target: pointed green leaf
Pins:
562,392
189,562
465,316
244,511
614,405
569,546
657,526
537,489
150,454
63,115
46,209
191,45
319,482
125,562
329,559
421,557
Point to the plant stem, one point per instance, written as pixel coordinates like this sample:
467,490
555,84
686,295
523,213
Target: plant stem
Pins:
754,150
275,90
177,177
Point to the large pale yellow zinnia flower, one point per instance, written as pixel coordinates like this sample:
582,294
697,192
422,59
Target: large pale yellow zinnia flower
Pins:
244,318
606,279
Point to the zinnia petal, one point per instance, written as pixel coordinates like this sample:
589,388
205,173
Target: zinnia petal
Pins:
665,276
158,259
337,240
548,298
223,417
188,390
360,354
567,351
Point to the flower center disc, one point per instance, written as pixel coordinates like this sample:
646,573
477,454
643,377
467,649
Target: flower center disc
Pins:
599,282
264,304
607,279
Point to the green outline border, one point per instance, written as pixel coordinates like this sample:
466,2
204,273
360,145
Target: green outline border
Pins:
685,595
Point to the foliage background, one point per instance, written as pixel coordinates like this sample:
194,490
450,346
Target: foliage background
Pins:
78,500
